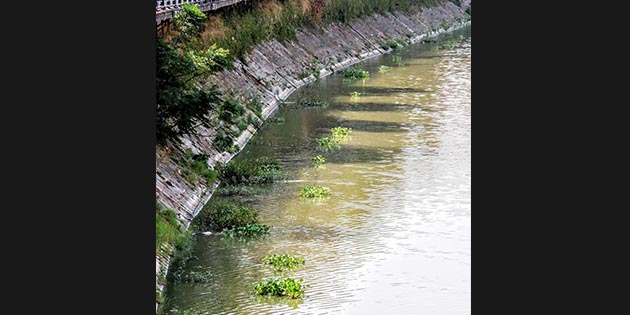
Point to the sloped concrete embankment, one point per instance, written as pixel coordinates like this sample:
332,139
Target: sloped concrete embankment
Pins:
274,70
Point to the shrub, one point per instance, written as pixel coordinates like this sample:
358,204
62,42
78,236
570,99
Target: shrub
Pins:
260,170
255,106
390,44
230,109
222,214
167,228
247,231
196,165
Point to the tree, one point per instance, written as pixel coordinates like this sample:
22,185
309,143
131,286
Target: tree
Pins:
183,102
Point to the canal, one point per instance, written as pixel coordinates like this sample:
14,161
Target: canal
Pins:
394,237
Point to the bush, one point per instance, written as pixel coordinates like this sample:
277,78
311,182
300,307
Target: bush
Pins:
255,106
168,230
390,44
230,110
222,214
261,170
196,165
248,231
222,142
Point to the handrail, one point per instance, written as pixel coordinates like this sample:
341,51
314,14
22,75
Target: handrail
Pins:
166,9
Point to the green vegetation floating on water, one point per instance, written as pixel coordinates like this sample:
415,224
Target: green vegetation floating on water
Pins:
258,171
222,214
384,68
285,287
318,160
183,254
355,73
314,192
195,277
340,132
313,103
245,232
281,262
328,143
355,94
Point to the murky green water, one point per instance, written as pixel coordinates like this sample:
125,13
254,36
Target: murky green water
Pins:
394,237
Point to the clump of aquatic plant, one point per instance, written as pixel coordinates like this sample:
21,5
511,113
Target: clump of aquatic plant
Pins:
355,94
314,192
281,262
221,214
318,160
450,44
274,300
396,58
384,68
328,143
183,253
313,103
194,277
260,170
247,231
355,73
340,132
285,287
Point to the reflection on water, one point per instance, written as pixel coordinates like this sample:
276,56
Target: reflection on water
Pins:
394,236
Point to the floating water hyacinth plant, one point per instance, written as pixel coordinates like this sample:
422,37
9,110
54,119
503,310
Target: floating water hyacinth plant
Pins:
285,287
281,262
318,160
247,231
355,73
384,68
355,94
328,143
340,132
314,192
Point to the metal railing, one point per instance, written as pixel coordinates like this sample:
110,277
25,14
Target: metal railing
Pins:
166,9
